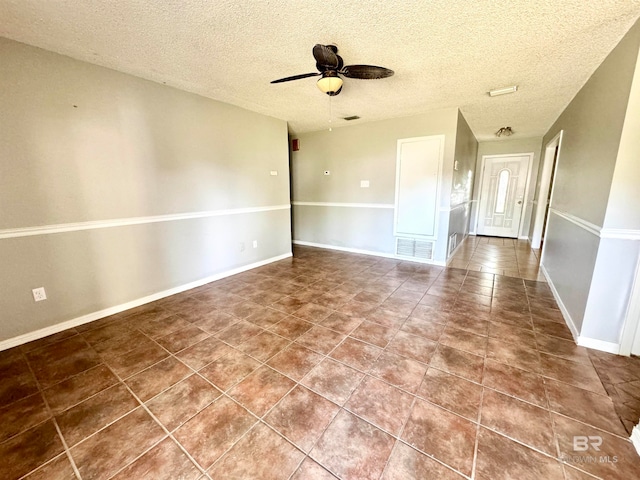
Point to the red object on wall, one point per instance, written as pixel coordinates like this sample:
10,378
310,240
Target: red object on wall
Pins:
295,145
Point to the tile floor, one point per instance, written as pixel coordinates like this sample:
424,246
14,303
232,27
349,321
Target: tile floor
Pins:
327,365
501,256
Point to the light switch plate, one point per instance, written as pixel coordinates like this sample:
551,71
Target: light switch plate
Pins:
274,173
364,183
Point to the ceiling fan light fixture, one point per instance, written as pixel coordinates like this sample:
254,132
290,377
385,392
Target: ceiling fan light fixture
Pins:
330,83
504,131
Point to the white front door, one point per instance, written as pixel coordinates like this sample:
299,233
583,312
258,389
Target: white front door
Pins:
504,180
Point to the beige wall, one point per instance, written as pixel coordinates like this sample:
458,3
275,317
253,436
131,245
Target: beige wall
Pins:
593,275
462,182
81,143
362,152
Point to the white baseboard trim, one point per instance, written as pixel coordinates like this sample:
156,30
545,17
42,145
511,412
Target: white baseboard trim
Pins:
367,252
563,309
635,438
523,237
601,345
90,317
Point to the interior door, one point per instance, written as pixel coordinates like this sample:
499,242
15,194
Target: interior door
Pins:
504,181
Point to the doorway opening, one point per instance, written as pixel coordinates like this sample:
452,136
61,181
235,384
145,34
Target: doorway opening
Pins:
545,190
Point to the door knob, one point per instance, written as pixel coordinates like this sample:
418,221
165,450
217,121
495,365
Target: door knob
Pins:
519,202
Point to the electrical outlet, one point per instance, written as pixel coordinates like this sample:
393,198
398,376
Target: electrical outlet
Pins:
39,294
255,244
242,246
364,183
274,173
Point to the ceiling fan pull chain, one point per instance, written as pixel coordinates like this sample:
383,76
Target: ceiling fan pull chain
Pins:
330,114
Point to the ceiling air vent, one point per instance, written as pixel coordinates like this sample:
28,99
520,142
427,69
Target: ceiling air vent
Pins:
409,247
352,117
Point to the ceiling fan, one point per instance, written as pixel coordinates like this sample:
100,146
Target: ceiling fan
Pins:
331,66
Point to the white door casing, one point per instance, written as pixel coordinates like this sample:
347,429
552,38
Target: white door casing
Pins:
502,195
544,186
418,178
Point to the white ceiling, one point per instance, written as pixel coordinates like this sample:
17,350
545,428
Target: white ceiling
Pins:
445,53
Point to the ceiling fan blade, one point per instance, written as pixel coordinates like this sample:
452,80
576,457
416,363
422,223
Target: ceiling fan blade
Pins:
366,72
326,56
296,77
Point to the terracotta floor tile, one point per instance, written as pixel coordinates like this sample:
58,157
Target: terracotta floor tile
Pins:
512,334
448,437
106,452
333,380
374,334
179,403
458,362
243,310
516,382
312,312
399,371
470,322
464,340
381,404
588,407
27,451
387,318
59,469
518,420
230,369
412,346
341,323
598,462
203,353
577,374
165,461
288,305
216,428
118,346
451,392
424,328
310,470
352,448
157,378
295,361
96,412
266,317
58,362
320,339
76,389
260,454
551,327
562,348
48,340
176,341
136,360
264,345
514,355
17,382
357,309
291,327
409,464
215,321
22,415
261,390
239,333
499,457
356,354
160,327
302,416
113,330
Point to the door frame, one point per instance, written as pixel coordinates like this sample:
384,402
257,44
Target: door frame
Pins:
544,185
630,336
526,187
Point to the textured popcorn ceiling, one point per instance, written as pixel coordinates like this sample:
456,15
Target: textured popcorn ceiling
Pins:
445,53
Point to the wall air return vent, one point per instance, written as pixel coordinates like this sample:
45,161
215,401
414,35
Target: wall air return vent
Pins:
410,247
453,243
